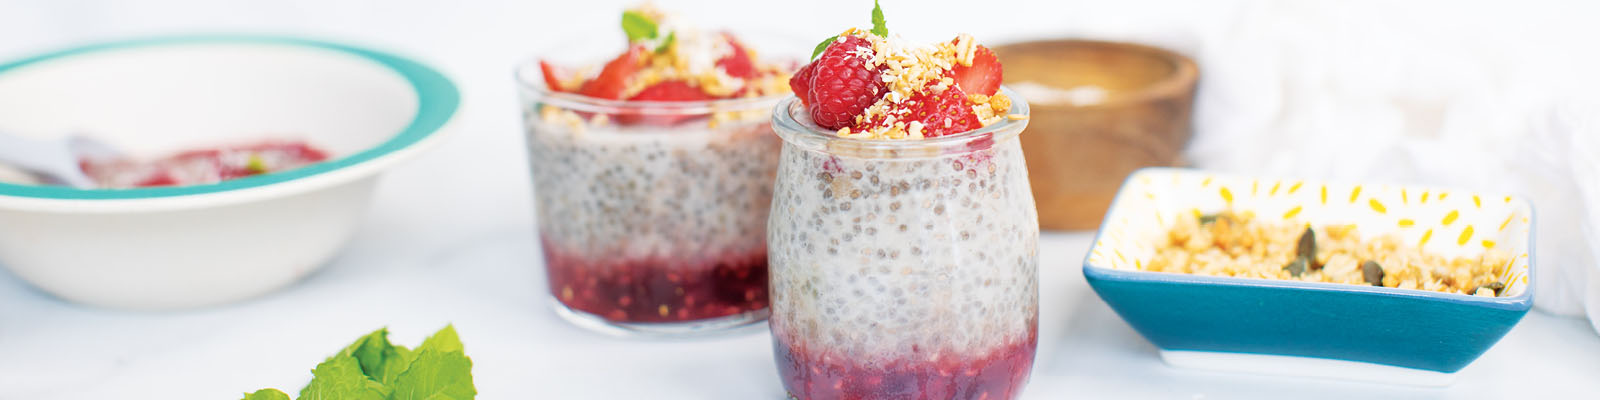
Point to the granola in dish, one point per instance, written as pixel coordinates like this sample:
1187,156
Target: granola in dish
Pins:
1236,244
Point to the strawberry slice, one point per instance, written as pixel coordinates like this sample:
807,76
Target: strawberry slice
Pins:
671,91
983,77
613,78
737,63
663,91
553,76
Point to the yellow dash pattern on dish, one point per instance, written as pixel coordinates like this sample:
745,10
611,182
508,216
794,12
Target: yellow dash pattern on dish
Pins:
1355,193
1291,213
1450,218
1466,234
1407,222
1376,206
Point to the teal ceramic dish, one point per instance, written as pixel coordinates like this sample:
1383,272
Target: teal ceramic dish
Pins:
1306,328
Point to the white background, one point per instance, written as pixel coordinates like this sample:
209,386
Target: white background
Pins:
450,237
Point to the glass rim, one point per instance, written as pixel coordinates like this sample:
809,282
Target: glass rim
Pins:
804,132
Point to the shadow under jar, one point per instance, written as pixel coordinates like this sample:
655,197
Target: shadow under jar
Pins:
651,215
903,269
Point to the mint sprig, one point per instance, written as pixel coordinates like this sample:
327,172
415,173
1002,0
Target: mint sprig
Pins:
638,26
880,27
374,369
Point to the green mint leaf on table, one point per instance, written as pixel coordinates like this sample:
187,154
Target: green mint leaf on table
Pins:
374,369
823,46
380,360
879,27
266,394
444,341
436,375
638,26
340,378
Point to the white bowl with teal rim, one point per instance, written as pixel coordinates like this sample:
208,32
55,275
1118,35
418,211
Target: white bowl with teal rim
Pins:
1312,329
189,246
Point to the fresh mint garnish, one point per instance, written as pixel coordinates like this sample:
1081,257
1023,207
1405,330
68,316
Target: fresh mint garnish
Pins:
374,369
879,27
666,44
823,46
638,26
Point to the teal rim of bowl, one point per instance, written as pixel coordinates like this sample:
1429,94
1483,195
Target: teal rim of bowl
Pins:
437,101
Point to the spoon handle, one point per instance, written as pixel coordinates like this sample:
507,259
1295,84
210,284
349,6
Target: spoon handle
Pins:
51,158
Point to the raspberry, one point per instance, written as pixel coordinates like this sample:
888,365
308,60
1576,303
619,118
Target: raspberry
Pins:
800,83
841,86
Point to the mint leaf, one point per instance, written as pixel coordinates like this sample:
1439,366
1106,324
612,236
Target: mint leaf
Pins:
436,375
380,360
340,378
638,26
823,46
443,341
666,44
879,27
393,366
266,394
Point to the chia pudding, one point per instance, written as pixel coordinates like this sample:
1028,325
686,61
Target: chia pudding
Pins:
653,180
901,269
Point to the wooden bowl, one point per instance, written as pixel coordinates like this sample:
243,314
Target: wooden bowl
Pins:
1100,111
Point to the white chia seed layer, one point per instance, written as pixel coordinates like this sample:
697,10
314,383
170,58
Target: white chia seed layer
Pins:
890,259
686,192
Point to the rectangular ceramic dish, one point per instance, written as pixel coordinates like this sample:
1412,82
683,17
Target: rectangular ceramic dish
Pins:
1305,328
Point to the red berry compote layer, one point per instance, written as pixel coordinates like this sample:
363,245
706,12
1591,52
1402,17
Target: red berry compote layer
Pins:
903,247
653,177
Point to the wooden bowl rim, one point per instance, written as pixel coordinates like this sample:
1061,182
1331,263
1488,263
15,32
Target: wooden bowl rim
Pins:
1180,83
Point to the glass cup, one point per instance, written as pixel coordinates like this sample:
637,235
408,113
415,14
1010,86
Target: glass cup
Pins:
651,215
905,268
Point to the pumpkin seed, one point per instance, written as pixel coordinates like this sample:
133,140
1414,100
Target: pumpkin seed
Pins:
1208,218
1308,247
1296,267
1372,272
1495,286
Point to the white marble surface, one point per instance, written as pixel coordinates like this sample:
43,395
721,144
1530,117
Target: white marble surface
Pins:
450,240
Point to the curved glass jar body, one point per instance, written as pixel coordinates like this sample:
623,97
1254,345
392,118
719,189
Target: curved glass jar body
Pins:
903,269
651,215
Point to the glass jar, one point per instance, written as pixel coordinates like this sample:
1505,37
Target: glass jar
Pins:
651,215
903,268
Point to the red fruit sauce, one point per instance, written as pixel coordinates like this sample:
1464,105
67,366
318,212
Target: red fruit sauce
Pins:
203,166
658,290
810,375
